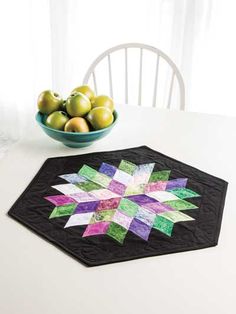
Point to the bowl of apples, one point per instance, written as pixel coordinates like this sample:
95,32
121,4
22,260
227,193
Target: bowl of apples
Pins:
79,120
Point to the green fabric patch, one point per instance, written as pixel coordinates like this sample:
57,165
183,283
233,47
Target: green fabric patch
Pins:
164,225
102,179
88,186
176,216
184,193
65,210
180,205
128,207
88,172
135,189
127,167
102,215
117,232
159,176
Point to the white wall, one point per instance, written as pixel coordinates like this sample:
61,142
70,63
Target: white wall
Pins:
197,34
50,44
213,81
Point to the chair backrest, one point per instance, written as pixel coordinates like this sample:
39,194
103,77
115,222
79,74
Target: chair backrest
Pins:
175,74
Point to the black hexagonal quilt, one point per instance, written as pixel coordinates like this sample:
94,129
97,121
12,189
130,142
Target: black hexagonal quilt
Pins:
121,205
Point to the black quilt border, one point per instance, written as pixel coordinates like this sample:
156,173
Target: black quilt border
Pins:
14,215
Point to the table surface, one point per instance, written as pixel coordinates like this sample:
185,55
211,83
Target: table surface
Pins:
36,277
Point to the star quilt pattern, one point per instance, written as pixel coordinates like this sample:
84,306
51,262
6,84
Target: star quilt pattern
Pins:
117,200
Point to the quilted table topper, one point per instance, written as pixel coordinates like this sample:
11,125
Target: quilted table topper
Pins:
121,205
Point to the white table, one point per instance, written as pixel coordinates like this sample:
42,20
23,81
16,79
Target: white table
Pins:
36,277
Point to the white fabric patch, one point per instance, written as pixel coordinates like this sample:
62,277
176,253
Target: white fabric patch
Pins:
83,197
141,178
122,177
104,194
145,216
67,188
79,219
162,196
122,220
176,216
142,173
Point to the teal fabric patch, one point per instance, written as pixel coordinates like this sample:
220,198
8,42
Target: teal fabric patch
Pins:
164,225
184,193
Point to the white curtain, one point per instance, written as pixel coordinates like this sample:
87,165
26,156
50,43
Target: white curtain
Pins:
25,65
49,44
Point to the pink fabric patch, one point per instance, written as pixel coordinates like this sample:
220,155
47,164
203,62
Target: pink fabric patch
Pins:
155,186
83,197
59,200
157,207
122,220
111,203
97,228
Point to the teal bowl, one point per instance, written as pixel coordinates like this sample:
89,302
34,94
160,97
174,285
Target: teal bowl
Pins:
72,139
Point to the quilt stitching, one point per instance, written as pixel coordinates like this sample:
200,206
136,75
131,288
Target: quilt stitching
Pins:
116,200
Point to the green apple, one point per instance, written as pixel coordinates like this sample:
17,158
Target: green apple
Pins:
100,118
78,105
48,101
57,120
85,90
77,124
103,101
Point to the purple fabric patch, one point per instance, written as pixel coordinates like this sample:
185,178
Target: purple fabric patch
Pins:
117,187
157,207
155,186
141,199
59,200
140,229
86,207
111,203
107,169
176,183
97,228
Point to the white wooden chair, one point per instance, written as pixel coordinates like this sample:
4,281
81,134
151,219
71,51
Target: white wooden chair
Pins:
174,77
